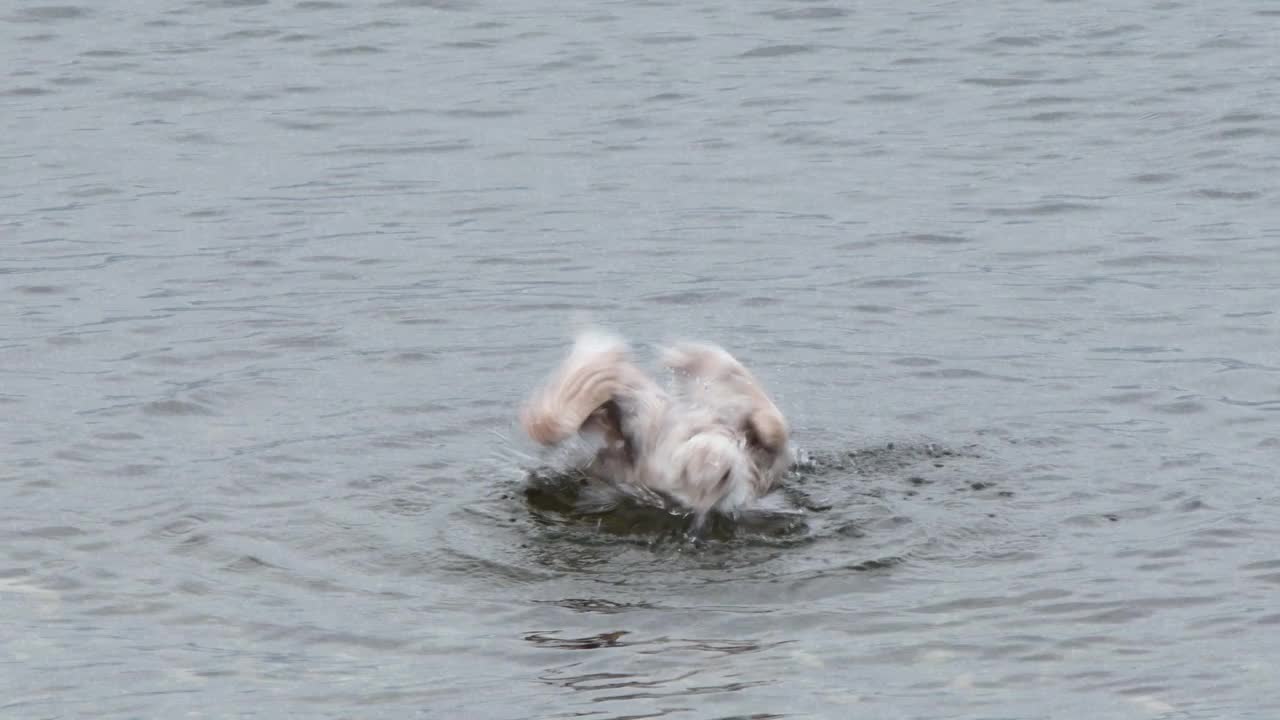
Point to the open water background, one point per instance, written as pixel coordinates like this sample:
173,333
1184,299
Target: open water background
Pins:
274,277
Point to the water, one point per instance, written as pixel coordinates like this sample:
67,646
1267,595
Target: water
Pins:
276,276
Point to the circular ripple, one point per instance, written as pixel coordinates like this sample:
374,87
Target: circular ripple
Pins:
877,509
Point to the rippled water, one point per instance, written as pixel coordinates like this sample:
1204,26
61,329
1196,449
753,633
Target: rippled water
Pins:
275,276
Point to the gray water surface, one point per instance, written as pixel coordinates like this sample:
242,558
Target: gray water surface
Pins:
275,276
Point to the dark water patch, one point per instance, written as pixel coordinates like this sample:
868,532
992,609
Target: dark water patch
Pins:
349,50
521,261
1223,42
470,45
225,4
301,125
1221,194
1243,117
1055,116
123,436
1019,41
481,113
691,297
1128,398
666,38
1118,30
40,290
933,239
770,51
572,499
816,138
52,532
175,408
891,283
49,13
591,642
1000,82
808,13
208,213
917,60
1182,407
251,34
135,607
1154,178
890,97
169,95
27,91
572,62
452,5
73,80
305,342
1240,133
400,149
135,470
1154,260
328,259
668,97
599,605
768,102
964,374
196,138
1043,208
1040,100
915,361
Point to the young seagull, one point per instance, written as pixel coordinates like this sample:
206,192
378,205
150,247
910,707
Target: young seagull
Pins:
714,441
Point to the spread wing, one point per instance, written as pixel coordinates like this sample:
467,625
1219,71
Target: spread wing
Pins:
711,377
589,389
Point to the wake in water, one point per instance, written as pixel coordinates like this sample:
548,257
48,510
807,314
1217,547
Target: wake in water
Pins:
889,492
